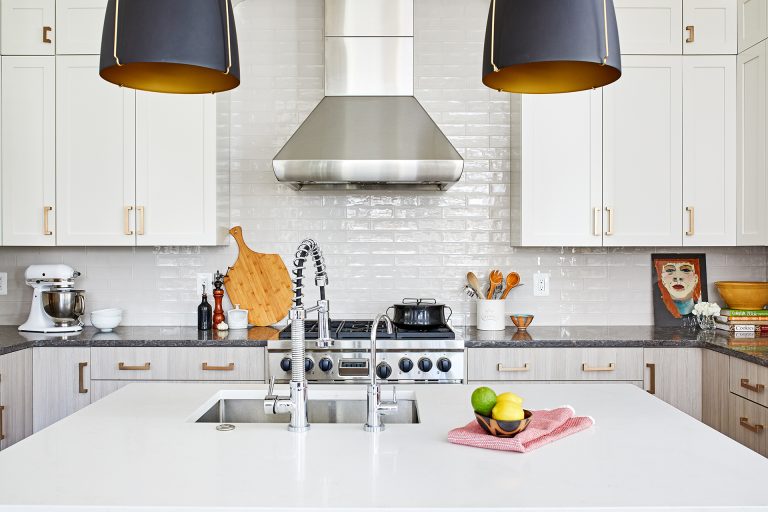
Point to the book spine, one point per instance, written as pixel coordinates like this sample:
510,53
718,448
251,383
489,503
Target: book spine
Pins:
736,328
731,320
744,312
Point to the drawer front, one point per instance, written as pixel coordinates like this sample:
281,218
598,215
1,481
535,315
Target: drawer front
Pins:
747,423
217,363
749,381
561,364
129,363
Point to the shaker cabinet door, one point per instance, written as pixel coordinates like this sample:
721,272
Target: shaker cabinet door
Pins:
752,22
79,24
709,27
27,27
649,27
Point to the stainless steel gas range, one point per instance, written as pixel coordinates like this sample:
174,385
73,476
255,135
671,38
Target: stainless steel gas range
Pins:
404,356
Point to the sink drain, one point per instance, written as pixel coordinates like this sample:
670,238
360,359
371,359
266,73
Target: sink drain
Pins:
225,427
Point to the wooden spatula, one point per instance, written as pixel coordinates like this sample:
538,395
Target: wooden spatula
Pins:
513,279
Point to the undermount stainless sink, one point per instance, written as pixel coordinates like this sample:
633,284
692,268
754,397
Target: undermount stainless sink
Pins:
251,410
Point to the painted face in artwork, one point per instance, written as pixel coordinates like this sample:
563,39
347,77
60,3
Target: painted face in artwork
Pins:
680,280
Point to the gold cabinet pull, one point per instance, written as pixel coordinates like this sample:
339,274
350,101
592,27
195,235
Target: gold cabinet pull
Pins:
46,224
2,430
229,368
757,429
691,229
140,226
757,388
691,34
596,221
609,210
586,368
81,378
46,35
500,367
127,219
123,366
652,368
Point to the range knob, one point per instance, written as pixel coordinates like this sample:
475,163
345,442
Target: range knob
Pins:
285,364
425,364
308,364
383,370
405,365
325,364
444,364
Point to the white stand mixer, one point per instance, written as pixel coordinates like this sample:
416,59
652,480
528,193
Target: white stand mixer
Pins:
56,305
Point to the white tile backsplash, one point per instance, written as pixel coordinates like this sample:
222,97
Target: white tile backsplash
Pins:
380,246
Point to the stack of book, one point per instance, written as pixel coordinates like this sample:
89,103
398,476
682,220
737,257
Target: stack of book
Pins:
748,322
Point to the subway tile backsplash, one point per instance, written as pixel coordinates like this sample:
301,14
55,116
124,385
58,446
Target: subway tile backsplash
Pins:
381,246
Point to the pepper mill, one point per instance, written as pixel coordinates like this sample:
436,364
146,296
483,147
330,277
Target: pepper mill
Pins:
218,296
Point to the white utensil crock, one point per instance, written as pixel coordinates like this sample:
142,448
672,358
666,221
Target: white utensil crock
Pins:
491,315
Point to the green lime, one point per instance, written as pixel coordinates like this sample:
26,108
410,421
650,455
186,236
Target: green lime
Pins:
483,400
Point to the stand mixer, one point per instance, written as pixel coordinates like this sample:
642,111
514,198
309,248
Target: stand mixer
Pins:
56,304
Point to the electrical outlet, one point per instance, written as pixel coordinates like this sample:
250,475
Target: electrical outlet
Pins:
3,283
540,284
205,278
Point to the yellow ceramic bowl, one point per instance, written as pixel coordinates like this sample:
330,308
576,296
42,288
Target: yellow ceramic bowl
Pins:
743,294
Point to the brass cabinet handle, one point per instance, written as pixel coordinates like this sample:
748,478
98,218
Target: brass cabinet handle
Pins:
609,210
143,368
691,229
140,226
596,221
46,32
46,227
585,368
2,430
127,230
229,368
652,368
691,34
500,367
757,388
81,378
744,422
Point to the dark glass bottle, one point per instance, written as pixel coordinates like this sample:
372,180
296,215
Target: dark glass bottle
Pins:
204,313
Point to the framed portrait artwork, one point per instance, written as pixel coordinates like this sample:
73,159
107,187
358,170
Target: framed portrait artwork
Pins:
679,282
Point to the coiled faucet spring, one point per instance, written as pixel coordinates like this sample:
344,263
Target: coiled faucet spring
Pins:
308,248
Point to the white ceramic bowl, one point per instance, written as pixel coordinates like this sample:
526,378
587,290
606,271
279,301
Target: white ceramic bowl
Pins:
106,320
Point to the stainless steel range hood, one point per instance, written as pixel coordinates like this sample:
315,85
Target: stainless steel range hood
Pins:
369,130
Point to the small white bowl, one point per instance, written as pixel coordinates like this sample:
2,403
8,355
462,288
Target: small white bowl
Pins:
107,312
105,323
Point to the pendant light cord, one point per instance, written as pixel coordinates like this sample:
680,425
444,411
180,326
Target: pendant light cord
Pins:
605,30
114,48
229,40
493,38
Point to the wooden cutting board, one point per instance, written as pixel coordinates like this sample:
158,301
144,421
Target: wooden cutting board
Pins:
260,283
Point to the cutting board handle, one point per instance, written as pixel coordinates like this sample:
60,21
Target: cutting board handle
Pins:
237,234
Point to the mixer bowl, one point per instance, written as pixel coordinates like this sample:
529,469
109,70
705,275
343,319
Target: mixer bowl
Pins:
65,306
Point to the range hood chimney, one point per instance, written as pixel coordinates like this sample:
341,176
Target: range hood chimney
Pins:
369,130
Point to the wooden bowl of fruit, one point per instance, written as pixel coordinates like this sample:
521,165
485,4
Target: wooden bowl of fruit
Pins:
500,415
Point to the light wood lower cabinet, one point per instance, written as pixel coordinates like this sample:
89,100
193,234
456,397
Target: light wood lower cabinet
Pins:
749,381
714,390
747,422
674,375
60,383
15,397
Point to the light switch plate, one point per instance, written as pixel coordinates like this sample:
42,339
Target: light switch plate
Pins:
204,278
3,283
540,284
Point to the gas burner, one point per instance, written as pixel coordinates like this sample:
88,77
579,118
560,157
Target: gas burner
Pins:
361,330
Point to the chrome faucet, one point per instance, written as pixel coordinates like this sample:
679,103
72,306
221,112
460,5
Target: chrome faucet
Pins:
376,407
296,402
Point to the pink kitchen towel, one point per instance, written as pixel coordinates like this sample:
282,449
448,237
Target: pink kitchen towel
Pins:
546,426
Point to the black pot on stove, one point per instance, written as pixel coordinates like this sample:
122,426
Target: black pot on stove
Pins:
420,314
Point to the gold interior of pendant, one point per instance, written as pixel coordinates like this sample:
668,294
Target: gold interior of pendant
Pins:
169,77
551,77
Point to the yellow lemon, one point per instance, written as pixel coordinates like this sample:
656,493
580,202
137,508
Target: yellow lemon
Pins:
511,397
507,411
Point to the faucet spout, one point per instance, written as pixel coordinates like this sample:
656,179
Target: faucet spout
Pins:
376,407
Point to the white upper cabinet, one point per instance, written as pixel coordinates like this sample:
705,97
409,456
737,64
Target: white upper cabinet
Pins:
176,186
27,27
650,26
79,24
562,169
752,22
642,154
751,212
709,150
710,27
95,156
28,150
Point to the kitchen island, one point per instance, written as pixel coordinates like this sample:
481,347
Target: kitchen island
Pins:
140,448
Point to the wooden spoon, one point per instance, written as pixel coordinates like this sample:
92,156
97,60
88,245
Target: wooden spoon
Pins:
496,277
513,279
474,283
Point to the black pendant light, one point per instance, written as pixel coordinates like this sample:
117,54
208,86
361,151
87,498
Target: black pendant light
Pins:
173,46
551,46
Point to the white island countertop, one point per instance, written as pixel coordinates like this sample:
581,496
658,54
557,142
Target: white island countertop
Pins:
138,449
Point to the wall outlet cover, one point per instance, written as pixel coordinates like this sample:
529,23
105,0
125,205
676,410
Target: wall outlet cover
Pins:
540,284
